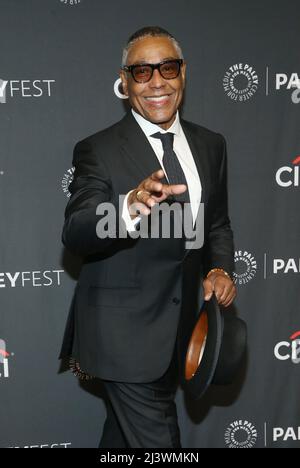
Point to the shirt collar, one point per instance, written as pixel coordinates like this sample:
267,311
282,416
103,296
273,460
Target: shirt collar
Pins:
149,128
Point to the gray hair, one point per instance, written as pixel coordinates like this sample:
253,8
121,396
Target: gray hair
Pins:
149,31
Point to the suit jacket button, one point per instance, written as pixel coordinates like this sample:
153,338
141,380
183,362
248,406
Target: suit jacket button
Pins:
176,300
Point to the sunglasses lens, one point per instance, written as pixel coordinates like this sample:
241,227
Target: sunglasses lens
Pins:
142,73
170,70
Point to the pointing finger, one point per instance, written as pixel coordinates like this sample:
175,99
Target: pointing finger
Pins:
174,189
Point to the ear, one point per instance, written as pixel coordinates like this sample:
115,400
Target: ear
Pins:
123,77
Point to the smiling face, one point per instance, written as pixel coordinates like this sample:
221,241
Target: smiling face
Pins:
158,99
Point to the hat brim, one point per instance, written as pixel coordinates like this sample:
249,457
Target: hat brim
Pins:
203,375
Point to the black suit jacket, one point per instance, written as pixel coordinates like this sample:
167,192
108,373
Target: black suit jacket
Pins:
134,296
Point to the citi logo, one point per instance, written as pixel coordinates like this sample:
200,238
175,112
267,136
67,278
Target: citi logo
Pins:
289,350
25,89
288,176
118,89
4,355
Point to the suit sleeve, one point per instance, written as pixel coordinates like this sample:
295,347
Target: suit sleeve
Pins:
219,249
91,189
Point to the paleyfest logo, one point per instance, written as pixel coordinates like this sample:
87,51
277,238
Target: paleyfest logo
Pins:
47,445
240,82
292,82
288,176
25,89
286,434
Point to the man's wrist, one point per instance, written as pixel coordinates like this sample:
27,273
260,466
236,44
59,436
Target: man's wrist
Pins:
218,271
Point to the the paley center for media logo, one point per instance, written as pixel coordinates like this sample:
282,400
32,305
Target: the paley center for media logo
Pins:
4,356
241,434
240,82
66,181
245,267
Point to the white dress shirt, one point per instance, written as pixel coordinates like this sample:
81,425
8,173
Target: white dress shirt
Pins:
185,157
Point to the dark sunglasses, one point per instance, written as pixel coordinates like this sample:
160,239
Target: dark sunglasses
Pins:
142,73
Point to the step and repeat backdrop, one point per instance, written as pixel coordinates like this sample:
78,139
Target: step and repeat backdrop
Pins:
58,84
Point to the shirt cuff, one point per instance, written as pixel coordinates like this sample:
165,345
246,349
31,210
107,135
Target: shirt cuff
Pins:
129,223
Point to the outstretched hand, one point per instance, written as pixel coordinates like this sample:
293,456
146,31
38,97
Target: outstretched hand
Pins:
151,191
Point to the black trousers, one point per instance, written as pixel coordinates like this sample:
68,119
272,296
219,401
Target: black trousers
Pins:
142,415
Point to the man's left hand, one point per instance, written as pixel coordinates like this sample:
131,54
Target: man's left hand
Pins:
222,286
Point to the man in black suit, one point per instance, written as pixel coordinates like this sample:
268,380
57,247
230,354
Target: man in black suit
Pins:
137,297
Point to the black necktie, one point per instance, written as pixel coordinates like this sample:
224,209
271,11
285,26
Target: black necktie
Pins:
171,164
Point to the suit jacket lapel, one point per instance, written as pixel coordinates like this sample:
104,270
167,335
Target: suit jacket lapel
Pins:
199,153
137,147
